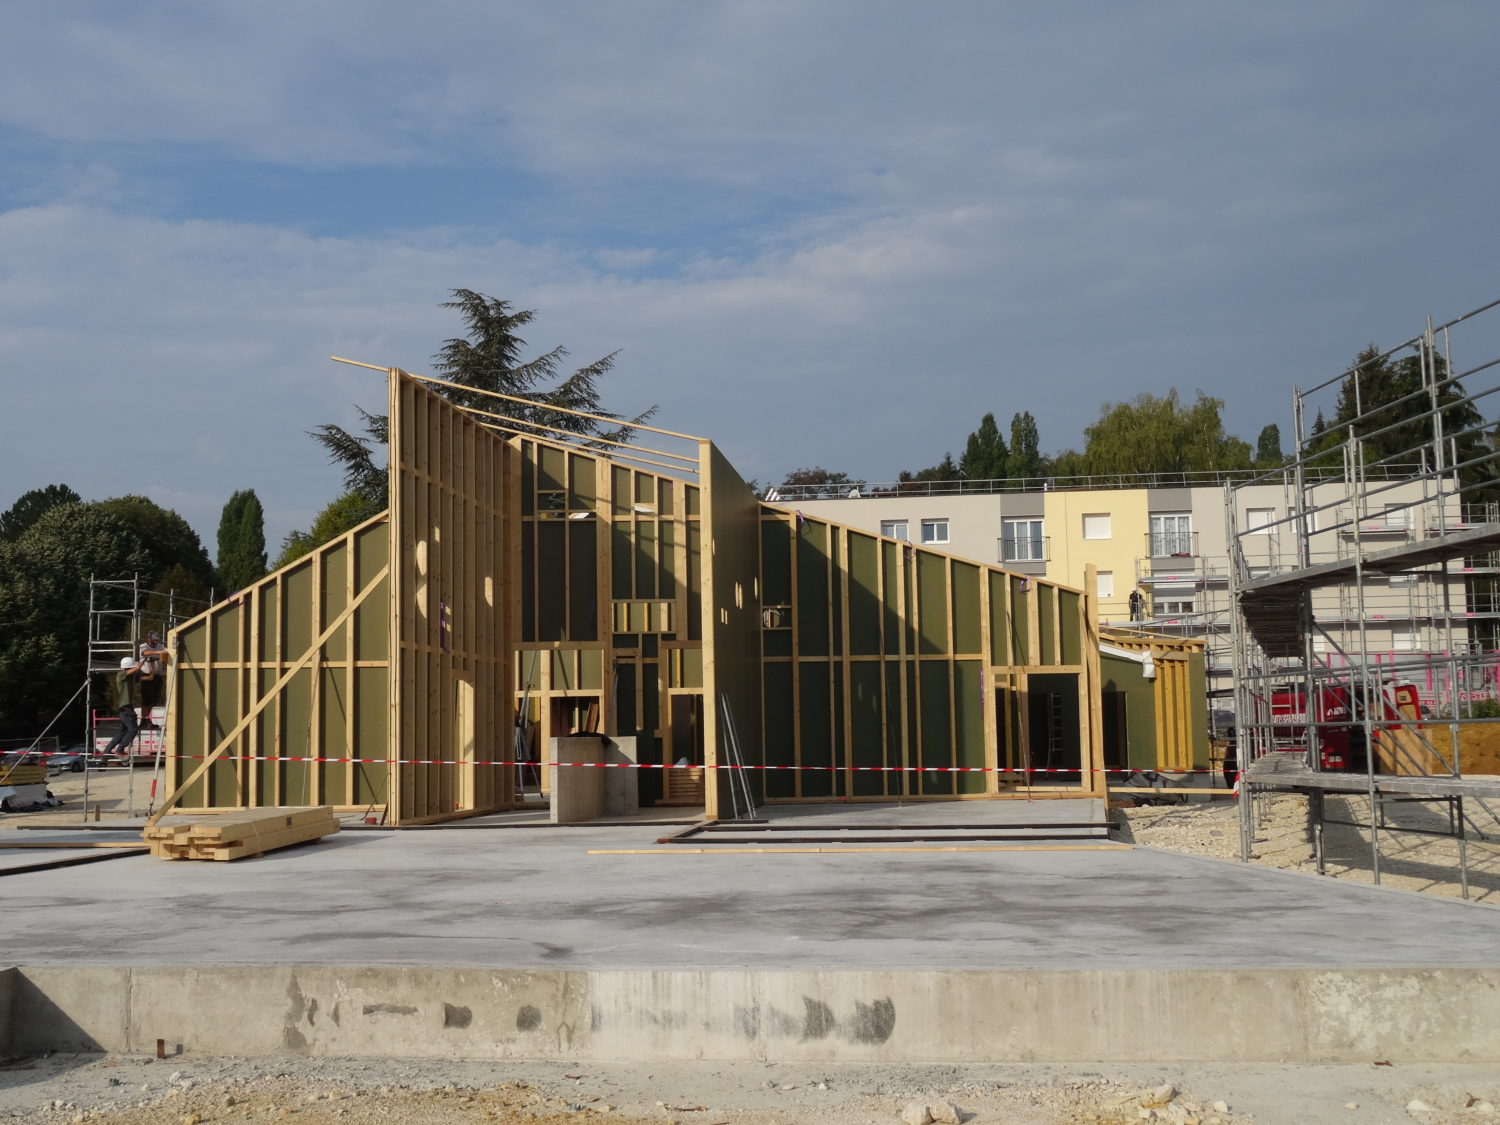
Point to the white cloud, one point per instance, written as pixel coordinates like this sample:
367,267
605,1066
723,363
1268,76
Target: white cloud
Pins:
828,233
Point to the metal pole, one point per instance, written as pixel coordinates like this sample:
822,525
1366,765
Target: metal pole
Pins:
88,712
1354,462
1463,848
1315,808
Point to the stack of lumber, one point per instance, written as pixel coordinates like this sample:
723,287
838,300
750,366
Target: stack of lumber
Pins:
240,834
683,787
32,773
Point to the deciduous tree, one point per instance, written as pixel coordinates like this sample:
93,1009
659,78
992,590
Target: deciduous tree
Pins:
44,602
1151,434
32,506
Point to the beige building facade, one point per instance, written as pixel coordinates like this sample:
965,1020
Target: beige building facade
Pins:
1170,545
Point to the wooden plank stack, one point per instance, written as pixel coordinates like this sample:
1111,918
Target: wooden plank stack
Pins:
29,774
683,787
240,834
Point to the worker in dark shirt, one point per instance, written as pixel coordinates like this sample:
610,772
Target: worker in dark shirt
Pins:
152,672
124,691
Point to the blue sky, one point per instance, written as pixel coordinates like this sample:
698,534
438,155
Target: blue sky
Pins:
827,233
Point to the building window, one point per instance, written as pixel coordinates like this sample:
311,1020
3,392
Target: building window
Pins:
1022,541
1172,534
1096,527
934,531
1175,608
1405,638
1106,580
1258,520
894,529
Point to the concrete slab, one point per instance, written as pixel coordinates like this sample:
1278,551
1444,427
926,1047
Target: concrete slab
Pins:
979,814
537,898
523,945
928,821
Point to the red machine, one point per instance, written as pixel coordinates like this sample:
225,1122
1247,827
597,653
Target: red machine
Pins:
1341,742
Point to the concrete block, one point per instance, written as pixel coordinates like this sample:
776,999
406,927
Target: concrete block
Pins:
597,789
622,787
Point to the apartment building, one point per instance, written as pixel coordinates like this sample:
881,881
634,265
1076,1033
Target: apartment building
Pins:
1171,544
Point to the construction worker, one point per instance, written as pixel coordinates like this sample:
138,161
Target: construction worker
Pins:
125,680
1137,605
152,671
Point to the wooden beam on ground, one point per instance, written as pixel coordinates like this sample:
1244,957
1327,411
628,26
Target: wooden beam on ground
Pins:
846,850
74,860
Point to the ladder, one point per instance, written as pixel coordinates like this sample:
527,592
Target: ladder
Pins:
741,801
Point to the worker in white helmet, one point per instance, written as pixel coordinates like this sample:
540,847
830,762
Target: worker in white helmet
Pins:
125,680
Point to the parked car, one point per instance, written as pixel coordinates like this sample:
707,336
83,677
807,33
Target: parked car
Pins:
67,761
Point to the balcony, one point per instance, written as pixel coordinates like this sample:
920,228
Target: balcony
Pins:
1172,544
1024,549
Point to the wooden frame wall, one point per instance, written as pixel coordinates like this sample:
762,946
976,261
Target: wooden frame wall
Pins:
1179,701
609,595
732,622
881,658
451,495
296,666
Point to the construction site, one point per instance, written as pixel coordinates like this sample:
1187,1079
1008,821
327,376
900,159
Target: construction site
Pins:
584,752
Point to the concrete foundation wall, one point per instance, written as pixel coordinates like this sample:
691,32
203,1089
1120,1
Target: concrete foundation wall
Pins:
1283,1015
7,990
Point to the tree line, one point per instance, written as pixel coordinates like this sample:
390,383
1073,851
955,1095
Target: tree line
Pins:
1382,401
53,542
1146,434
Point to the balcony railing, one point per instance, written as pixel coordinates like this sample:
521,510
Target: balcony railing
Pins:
1172,544
1025,548
865,490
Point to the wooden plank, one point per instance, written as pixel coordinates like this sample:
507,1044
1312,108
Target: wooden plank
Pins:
57,845
72,861
351,689
396,732
315,689
794,584
233,826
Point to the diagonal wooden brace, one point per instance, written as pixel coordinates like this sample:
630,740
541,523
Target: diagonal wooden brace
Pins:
218,751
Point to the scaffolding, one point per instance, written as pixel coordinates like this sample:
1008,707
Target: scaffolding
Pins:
1401,536
121,612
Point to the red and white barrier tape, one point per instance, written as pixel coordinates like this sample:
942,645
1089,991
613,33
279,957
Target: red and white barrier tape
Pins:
647,765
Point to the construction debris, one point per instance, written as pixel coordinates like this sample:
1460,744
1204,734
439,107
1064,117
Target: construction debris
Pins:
240,835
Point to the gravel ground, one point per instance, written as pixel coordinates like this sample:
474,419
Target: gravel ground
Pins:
1283,839
120,1090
